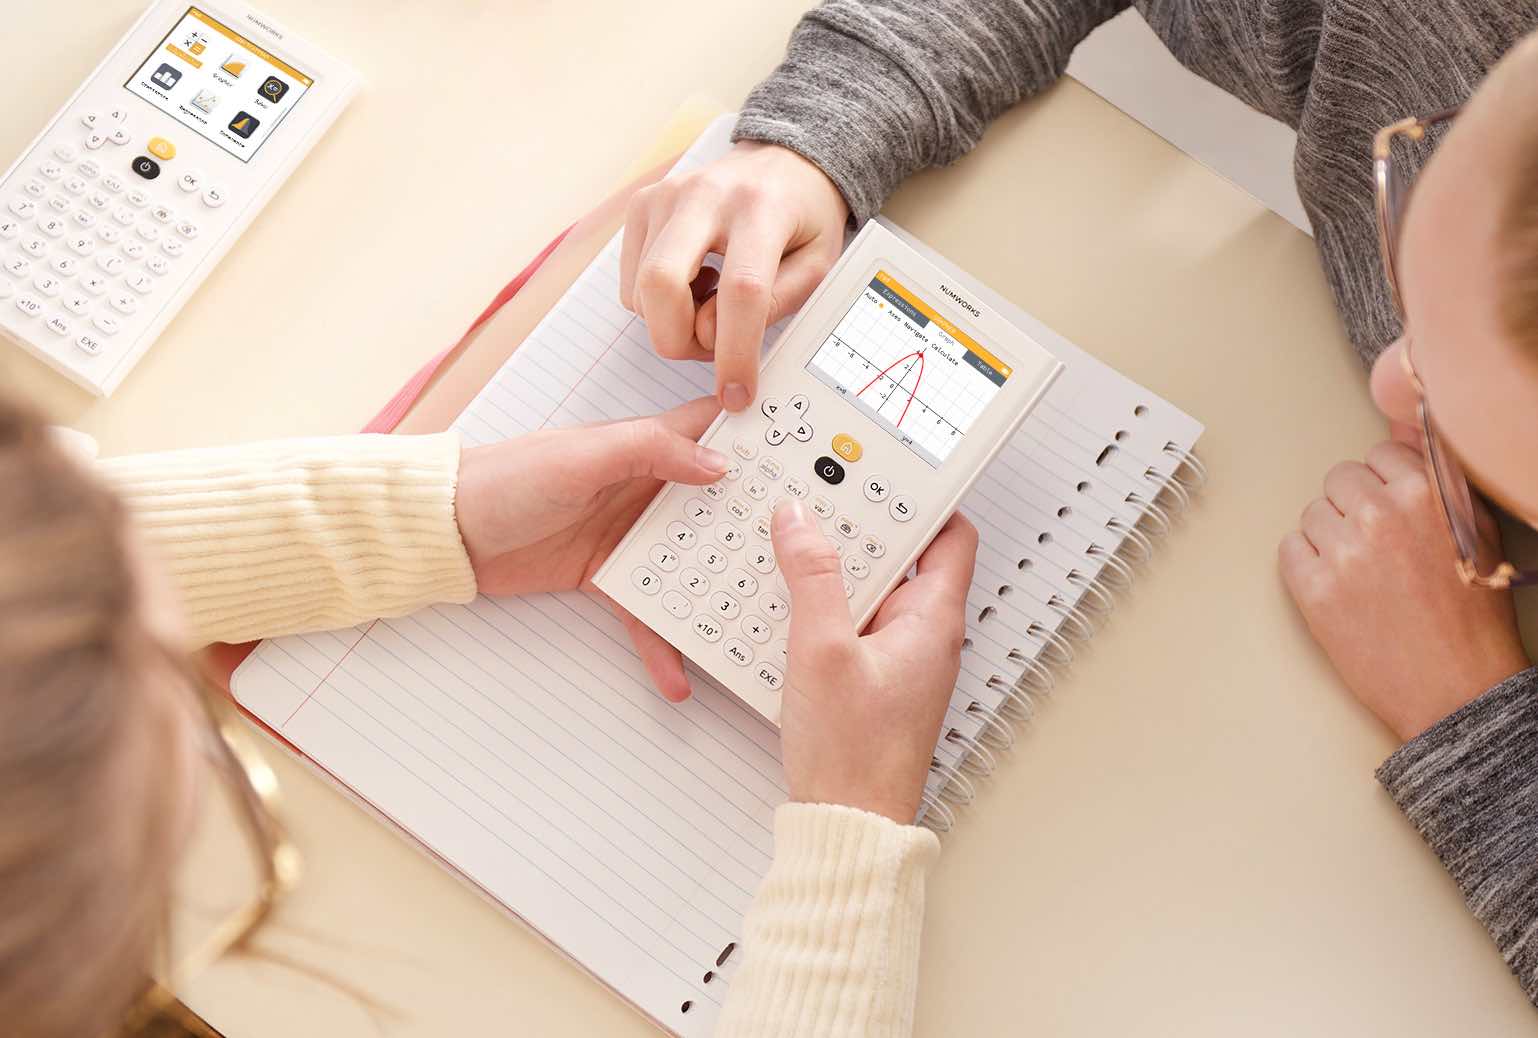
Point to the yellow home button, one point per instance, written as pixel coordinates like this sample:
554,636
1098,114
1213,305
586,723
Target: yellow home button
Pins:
847,447
162,149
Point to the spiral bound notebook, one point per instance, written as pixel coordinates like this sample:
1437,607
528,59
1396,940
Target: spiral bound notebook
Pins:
520,742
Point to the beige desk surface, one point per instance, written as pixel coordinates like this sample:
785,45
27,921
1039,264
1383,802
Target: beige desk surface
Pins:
1188,842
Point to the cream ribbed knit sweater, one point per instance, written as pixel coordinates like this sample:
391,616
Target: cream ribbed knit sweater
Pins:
298,535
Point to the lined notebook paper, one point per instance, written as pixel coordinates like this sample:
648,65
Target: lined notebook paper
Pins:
520,741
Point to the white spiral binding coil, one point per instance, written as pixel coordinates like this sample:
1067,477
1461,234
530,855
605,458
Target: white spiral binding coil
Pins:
1110,563
975,755
1056,642
1072,618
1132,535
1169,485
996,731
1187,460
1103,602
1161,520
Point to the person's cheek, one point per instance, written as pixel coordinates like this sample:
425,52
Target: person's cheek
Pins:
1392,390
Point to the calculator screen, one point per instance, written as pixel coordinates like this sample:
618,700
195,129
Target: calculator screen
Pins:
217,83
909,369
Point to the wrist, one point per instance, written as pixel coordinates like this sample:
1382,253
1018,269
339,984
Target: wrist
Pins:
471,502
1419,718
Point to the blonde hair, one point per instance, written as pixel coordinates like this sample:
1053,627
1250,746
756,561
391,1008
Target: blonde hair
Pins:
88,808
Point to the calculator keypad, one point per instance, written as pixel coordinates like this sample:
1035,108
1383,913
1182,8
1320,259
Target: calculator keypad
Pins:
716,571
80,249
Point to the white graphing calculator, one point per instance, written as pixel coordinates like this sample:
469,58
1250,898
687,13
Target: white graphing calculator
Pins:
145,178
878,407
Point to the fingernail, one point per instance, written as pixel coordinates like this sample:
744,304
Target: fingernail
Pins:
795,514
735,396
710,460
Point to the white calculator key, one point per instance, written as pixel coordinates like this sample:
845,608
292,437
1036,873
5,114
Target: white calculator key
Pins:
799,405
730,536
856,567
761,527
9,229
109,263
770,407
93,283
847,526
52,226
877,488
838,547
715,491
35,187
148,232
190,181
676,604
873,546
698,512
98,200
733,471
744,450
138,198
52,170
739,509
770,468
742,583
713,558
724,605
140,283
34,245
163,213
95,139
88,343
694,582
89,169
22,207
123,303
797,488
214,197
756,628
775,606
57,325
133,250
755,488
663,557
66,152
47,284
708,628
110,233
90,119
770,676
774,435
173,248
77,303
679,535
75,185
123,216
739,652
6,288
157,265
107,323
848,589
81,244
822,507
647,581
113,183
118,115
761,559
780,501
64,266
29,305
801,431
59,204
120,136
82,219
17,267
780,651
901,508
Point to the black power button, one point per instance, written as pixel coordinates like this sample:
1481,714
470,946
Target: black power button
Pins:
146,167
828,470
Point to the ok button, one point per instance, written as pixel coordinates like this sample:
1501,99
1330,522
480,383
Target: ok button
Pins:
828,470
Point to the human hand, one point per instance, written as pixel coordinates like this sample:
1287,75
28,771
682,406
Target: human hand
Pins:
1372,572
860,714
777,220
541,512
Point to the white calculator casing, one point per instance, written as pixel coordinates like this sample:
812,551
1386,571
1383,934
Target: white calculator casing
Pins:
889,504
194,210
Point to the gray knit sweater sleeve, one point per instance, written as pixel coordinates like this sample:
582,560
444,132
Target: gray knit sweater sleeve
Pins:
1470,785
875,90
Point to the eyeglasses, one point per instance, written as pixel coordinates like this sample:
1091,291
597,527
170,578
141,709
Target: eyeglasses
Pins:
1454,491
254,789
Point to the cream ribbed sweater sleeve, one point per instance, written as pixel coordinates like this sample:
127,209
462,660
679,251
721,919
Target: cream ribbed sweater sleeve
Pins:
831,943
301,535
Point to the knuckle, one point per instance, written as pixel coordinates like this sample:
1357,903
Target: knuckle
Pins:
746,283
818,561
747,194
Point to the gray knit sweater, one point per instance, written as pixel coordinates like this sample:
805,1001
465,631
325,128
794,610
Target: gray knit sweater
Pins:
873,90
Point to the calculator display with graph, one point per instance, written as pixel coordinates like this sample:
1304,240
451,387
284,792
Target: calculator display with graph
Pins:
909,369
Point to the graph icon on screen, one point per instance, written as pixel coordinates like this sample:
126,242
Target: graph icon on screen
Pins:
908,368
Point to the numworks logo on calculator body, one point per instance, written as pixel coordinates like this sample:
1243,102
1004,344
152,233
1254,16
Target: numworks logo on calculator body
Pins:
968,307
